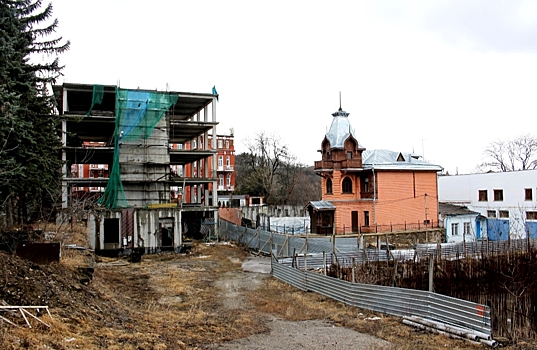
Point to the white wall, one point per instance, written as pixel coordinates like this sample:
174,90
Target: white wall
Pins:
460,220
464,189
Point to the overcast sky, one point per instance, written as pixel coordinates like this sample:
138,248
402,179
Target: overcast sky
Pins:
440,78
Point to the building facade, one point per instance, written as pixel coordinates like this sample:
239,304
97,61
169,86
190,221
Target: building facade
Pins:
371,191
507,200
461,224
225,169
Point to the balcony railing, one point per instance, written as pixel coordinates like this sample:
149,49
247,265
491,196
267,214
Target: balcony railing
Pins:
324,164
344,164
224,168
225,188
367,195
351,163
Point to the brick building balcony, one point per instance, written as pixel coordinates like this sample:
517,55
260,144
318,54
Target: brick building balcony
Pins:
324,164
342,164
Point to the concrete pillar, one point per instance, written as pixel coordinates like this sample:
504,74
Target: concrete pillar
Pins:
213,175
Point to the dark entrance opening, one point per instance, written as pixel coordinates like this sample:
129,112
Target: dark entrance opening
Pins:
111,233
166,232
354,221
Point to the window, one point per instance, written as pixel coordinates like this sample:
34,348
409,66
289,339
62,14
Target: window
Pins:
328,185
221,181
349,155
455,229
347,185
328,156
228,180
228,161
491,213
366,185
220,143
483,196
504,214
528,194
194,144
498,195
467,228
179,146
366,218
227,143
531,215
220,161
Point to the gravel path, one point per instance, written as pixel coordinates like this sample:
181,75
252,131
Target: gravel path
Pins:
312,335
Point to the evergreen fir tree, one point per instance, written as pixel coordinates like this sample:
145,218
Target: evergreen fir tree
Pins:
29,139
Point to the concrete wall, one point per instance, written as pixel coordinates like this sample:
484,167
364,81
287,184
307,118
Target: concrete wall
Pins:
251,213
146,161
147,224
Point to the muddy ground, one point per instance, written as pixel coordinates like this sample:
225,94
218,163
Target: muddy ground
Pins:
201,300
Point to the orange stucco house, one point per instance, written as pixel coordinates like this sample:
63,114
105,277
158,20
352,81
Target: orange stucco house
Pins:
371,191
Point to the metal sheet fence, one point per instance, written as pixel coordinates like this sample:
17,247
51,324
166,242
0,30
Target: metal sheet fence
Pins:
391,300
345,248
296,270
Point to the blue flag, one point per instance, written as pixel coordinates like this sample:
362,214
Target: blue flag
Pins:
214,92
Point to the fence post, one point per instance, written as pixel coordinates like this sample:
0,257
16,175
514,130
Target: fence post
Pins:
307,243
353,270
395,272
431,268
333,245
324,263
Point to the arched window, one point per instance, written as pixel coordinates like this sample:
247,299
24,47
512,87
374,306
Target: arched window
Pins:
347,185
329,185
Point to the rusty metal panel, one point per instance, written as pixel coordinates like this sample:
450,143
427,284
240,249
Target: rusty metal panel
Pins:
127,226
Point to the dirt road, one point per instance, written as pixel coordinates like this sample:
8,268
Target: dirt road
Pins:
216,297
310,334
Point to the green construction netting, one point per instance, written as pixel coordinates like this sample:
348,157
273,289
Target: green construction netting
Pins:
97,97
137,113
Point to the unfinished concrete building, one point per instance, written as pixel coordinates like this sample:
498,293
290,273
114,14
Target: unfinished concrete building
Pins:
139,134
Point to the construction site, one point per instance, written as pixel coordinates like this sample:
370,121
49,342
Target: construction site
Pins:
135,141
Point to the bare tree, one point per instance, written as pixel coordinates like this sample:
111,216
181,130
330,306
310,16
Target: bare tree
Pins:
269,169
511,155
265,157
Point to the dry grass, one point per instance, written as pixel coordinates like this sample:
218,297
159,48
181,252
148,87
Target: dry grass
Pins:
166,301
169,301
289,303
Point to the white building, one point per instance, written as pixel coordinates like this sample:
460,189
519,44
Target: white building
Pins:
461,224
508,200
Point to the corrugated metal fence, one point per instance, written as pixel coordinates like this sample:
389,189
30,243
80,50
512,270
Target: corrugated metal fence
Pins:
389,300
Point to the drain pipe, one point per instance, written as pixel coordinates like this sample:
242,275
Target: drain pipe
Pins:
449,330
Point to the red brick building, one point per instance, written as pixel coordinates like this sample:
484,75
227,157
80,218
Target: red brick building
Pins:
225,168
371,191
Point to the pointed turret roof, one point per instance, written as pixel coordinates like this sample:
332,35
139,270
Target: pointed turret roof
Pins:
340,129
